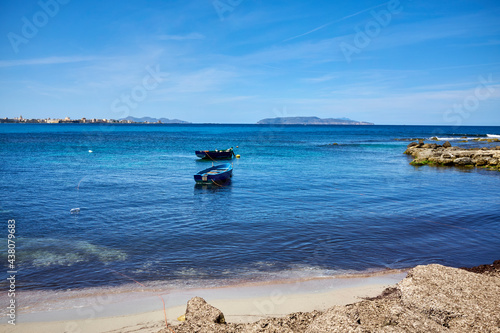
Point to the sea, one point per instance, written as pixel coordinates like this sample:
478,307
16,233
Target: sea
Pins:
103,205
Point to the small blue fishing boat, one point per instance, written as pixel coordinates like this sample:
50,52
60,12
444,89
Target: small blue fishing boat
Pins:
218,174
215,154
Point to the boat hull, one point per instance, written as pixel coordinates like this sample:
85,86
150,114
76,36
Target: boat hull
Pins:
218,174
214,155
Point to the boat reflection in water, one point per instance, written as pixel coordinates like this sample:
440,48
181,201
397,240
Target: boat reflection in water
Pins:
214,187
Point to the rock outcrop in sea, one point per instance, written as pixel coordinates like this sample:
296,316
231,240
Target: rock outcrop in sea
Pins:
447,155
432,298
310,121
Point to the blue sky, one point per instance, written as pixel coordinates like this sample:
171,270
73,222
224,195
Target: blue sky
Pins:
238,61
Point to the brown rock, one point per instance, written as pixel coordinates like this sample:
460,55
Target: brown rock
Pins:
480,161
447,144
295,322
462,302
444,161
447,155
412,144
433,154
431,298
463,161
492,269
199,311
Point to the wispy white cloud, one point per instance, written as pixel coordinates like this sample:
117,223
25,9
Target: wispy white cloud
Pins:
489,65
336,21
452,86
57,92
310,31
430,100
323,51
324,78
44,61
190,36
399,34
229,99
205,80
486,43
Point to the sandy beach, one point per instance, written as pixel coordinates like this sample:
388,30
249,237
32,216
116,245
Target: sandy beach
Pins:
426,298
143,311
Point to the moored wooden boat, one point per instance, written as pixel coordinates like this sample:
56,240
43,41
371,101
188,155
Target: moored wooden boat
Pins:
215,154
218,174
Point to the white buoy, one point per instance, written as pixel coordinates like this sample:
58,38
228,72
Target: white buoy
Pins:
75,211
90,151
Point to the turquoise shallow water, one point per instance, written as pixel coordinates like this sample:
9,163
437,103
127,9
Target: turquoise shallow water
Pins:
296,207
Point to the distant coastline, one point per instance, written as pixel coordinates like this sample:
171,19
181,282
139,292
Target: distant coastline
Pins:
68,120
310,121
150,120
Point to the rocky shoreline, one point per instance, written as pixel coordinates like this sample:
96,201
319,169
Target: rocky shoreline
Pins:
447,155
432,298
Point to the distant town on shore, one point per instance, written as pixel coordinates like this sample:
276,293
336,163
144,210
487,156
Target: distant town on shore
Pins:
150,120
68,120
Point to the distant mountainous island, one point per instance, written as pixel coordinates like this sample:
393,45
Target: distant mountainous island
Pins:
155,120
310,121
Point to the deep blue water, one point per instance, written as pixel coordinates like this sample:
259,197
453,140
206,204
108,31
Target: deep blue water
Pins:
296,206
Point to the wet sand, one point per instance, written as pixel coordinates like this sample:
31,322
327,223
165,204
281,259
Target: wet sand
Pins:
142,310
